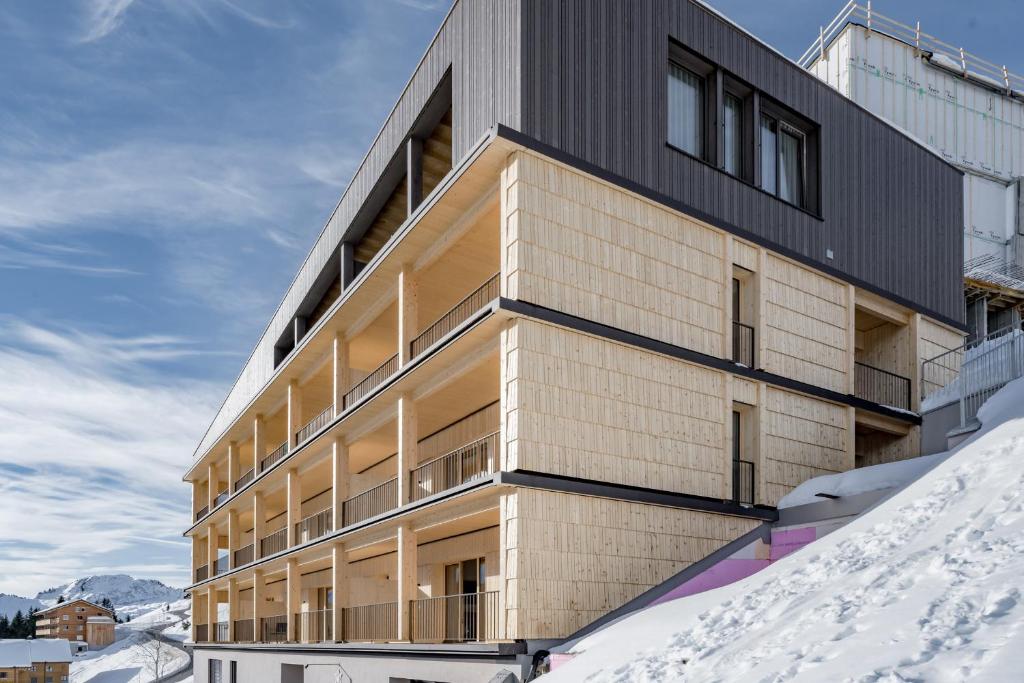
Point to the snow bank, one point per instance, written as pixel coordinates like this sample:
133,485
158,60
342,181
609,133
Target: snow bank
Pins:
926,586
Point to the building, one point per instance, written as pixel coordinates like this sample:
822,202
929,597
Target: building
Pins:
73,620
971,111
35,661
610,281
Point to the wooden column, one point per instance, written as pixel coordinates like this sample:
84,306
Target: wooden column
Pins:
407,436
198,499
407,590
728,315
851,438
339,588
294,411
293,596
211,614
294,505
341,372
727,442
233,466
212,541
761,325
234,534
233,607
851,339
915,362
406,312
214,485
259,520
339,481
259,442
259,588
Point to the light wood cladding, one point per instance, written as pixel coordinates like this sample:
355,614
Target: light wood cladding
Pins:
590,249
389,218
936,339
570,559
437,154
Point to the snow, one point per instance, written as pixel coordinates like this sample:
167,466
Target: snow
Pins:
11,604
927,586
21,653
122,590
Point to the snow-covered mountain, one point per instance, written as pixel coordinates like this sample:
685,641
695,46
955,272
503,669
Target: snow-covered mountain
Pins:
10,604
123,590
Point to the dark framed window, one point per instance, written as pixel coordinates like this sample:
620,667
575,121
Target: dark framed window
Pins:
788,156
686,105
732,134
215,671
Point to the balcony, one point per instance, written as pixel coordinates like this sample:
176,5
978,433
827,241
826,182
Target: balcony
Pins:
202,633
221,497
742,344
375,501
881,386
743,482
276,455
472,461
371,382
274,629
457,315
202,573
222,632
462,618
315,526
244,631
315,425
244,555
370,622
315,627
274,543
203,511
221,565
245,478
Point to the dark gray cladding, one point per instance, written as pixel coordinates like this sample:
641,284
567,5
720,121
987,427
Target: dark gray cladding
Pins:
593,86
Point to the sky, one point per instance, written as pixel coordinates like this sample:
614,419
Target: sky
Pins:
165,166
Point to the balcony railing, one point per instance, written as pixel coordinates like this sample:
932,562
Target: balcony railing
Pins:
243,555
245,478
881,386
274,543
743,482
203,511
244,631
221,497
223,633
315,425
376,501
202,633
743,344
202,573
278,453
371,622
458,314
371,381
314,526
472,461
315,627
274,629
456,618
221,565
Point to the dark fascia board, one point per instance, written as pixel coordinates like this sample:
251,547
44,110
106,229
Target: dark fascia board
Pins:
455,651
615,334
634,494
530,143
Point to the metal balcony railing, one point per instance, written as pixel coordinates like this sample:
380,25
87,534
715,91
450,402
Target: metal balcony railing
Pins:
245,478
456,618
244,631
370,382
202,573
315,425
203,511
472,461
314,526
743,344
223,632
458,314
278,453
244,555
881,386
221,497
274,543
315,627
370,503
371,622
743,482
202,633
274,629
221,566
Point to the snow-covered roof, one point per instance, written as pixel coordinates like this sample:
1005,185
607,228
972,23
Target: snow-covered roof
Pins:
99,620
72,602
23,653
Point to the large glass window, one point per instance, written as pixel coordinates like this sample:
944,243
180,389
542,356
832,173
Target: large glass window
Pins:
685,110
769,154
732,134
791,166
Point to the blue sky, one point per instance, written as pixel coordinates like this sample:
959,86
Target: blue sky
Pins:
165,165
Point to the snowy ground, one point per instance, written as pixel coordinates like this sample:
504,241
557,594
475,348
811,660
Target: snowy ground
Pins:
925,587
123,661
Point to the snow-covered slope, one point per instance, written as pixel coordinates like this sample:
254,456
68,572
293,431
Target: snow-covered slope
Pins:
123,590
10,604
925,587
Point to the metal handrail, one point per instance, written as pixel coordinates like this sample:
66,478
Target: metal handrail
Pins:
274,456
203,511
970,64
274,543
221,497
457,314
314,526
244,555
939,370
472,461
202,573
274,629
460,618
742,344
316,626
370,622
245,478
244,631
370,382
370,503
314,425
222,631
881,386
221,565
743,482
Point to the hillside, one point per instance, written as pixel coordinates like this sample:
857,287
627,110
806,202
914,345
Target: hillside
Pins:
130,596
925,587
11,604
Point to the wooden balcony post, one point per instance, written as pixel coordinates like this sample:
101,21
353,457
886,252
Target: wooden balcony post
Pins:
407,447
851,339
342,372
211,550
407,590
213,487
197,499
211,615
294,411
234,534
339,481
259,521
293,598
339,588
233,608
406,313
259,442
259,588
232,466
294,505
914,361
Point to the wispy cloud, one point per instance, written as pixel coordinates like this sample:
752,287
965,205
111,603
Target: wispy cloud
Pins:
103,17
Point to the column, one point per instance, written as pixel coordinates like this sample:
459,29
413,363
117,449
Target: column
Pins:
259,442
211,614
234,535
339,481
259,520
211,549
293,596
197,499
915,362
214,485
406,445
294,505
294,411
406,313
342,373
233,465
197,544
851,340
259,588
406,580
413,173
339,588
233,607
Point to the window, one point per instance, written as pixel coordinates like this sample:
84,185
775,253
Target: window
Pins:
791,166
685,110
215,672
234,671
732,134
67,617
79,609
784,160
769,154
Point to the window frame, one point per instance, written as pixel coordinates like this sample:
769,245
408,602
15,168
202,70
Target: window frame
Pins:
806,133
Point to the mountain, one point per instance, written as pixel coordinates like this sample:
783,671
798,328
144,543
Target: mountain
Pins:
10,604
123,590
